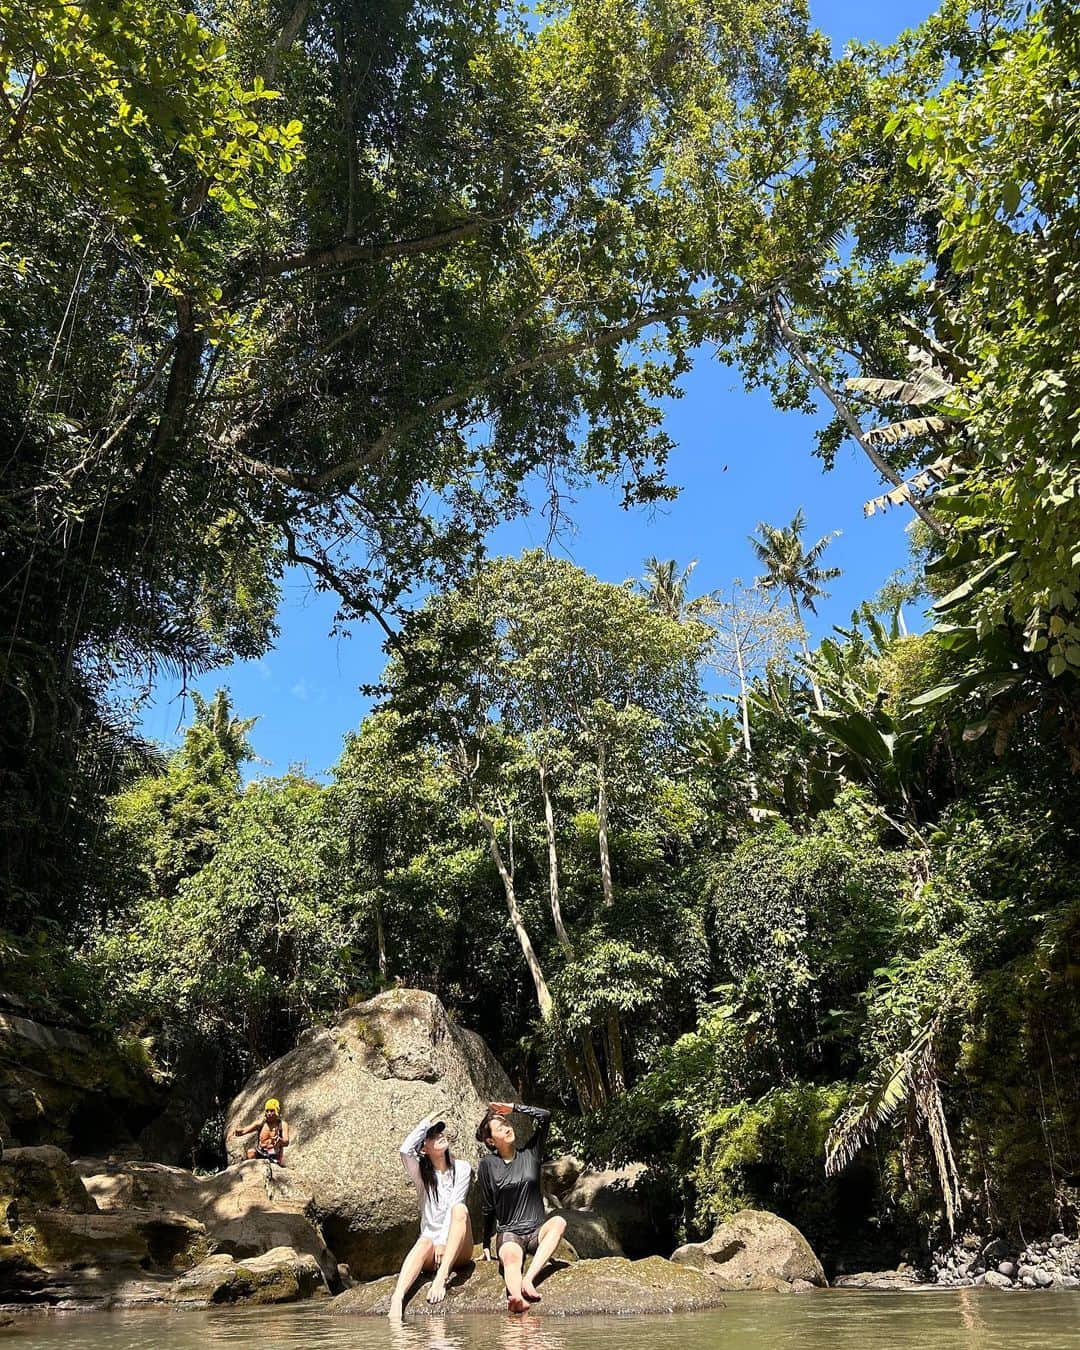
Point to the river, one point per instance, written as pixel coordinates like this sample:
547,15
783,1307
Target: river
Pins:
964,1319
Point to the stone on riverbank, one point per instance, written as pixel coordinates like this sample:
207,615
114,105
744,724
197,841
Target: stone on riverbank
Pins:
754,1250
248,1209
58,1249
351,1092
889,1281
611,1286
278,1276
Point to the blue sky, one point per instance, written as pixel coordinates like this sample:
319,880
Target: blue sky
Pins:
737,460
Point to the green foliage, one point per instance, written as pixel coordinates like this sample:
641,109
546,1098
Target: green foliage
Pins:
251,947
995,156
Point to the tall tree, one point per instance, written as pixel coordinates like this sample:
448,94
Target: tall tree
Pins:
665,588
750,631
792,568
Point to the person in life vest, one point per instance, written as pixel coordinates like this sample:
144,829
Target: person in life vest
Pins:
442,1185
273,1134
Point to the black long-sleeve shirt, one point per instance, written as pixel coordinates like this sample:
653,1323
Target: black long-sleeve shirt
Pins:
510,1190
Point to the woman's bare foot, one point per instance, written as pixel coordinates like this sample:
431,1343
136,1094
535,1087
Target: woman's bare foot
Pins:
394,1311
516,1305
437,1292
529,1290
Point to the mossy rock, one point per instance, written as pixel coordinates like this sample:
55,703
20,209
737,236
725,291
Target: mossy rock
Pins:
279,1276
609,1286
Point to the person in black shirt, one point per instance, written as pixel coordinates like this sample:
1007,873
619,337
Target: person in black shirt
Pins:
513,1206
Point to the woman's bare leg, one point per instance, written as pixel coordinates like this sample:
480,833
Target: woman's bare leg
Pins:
511,1256
420,1254
550,1235
460,1230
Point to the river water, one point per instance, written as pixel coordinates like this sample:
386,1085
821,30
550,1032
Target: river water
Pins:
964,1319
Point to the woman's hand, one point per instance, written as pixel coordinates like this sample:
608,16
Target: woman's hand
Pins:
440,1252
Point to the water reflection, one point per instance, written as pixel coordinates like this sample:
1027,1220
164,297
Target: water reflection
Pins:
965,1319
530,1332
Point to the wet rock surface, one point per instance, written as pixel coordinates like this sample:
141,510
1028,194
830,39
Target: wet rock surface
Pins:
610,1285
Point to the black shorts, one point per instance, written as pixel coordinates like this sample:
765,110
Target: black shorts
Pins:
528,1242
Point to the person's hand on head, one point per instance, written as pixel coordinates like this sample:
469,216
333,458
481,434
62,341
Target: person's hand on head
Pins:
503,1108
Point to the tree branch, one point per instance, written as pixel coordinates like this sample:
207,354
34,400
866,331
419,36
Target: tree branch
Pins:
375,451
330,575
793,342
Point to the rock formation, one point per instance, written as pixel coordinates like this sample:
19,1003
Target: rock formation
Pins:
351,1092
755,1250
613,1286
59,1087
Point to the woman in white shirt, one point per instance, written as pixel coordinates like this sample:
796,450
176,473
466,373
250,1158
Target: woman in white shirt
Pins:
442,1183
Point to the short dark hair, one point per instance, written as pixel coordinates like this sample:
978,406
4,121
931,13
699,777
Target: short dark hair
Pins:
483,1130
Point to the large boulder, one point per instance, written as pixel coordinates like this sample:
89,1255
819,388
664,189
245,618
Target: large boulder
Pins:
63,1088
633,1205
755,1250
589,1234
278,1276
247,1210
351,1092
612,1286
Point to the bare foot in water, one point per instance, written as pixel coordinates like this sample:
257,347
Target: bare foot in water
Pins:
394,1311
529,1290
516,1305
437,1292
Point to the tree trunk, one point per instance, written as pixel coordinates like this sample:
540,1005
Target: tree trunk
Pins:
543,993
553,863
602,825
805,648
614,1049
576,1073
380,938
592,1071
742,686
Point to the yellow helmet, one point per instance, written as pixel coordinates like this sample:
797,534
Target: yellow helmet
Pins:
273,1104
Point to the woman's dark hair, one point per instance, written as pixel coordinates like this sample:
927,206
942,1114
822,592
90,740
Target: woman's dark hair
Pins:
483,1130
427,1171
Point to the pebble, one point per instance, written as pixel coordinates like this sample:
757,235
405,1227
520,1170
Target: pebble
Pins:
1007,1268
1043,1279
996,1280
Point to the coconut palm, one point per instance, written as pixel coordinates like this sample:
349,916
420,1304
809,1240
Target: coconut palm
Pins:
666,591
792,568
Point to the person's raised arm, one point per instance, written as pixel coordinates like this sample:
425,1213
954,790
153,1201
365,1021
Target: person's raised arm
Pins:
247,1129
410,1151
543,1123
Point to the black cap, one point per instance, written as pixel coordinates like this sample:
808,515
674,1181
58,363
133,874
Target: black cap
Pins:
437,1128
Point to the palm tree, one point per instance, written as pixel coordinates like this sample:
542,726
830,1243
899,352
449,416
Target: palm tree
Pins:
665,591
791,568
